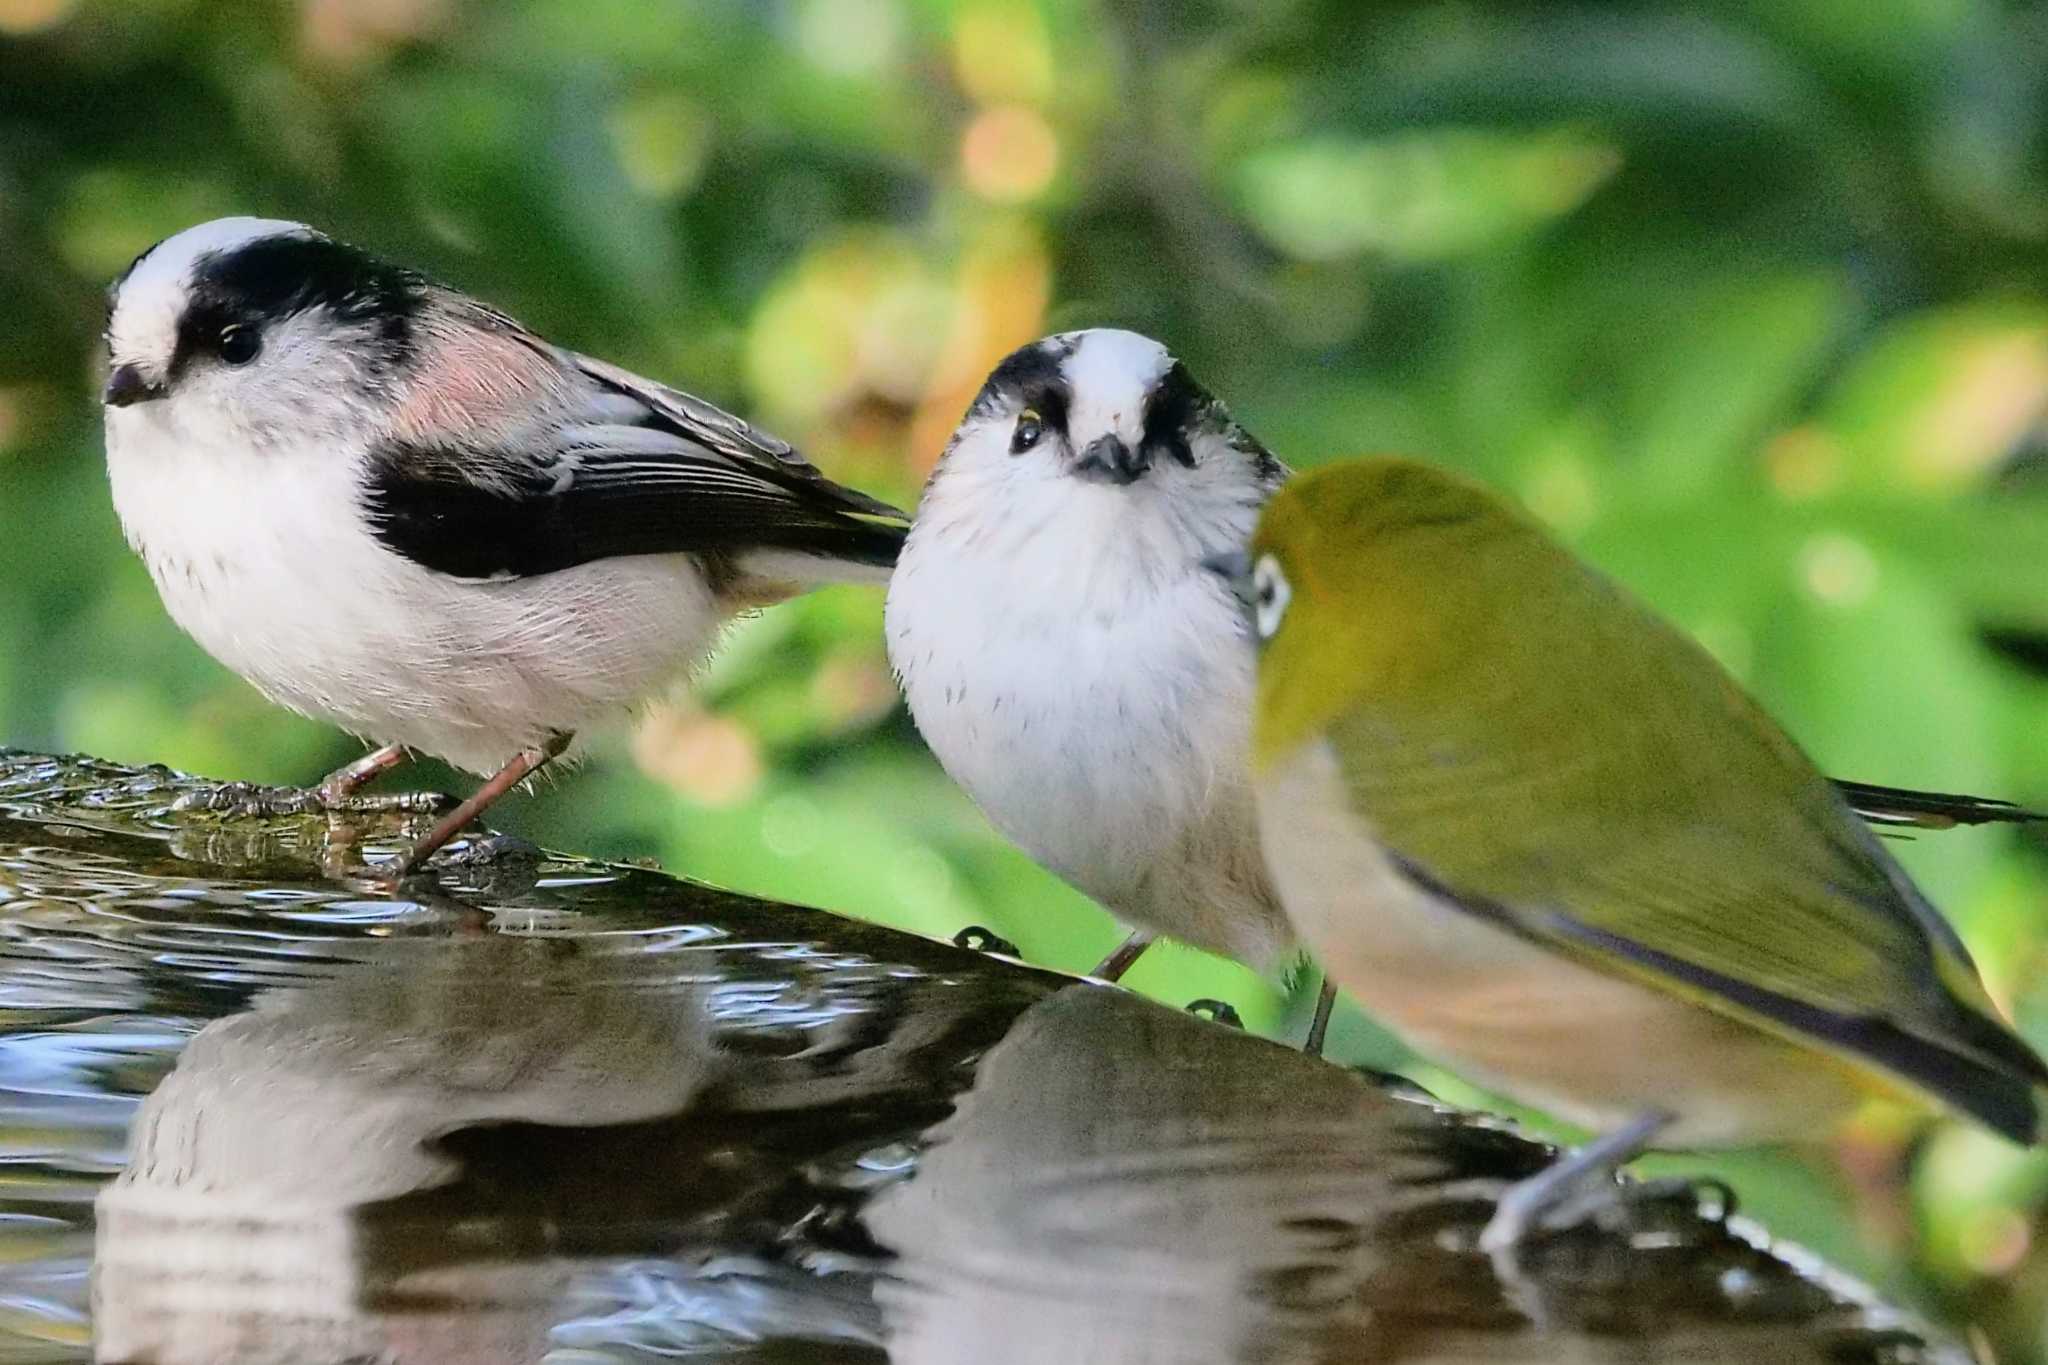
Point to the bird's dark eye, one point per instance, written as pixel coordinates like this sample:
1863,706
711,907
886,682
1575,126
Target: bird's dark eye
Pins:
1029,428
238,345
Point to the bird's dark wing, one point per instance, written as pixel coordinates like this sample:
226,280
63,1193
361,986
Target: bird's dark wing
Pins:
632,468
1932,810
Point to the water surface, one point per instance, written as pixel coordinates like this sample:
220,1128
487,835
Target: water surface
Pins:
553,1110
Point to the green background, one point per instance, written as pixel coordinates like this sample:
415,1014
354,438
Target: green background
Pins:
1748,299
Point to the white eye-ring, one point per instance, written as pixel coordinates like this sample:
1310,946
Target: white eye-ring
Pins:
1270,596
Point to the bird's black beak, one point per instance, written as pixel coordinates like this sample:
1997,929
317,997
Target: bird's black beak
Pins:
1109,460
127,385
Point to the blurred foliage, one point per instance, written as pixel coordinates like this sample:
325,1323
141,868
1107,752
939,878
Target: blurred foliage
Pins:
1746,297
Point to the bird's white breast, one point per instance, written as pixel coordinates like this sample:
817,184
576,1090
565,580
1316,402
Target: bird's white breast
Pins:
1086,680
263,557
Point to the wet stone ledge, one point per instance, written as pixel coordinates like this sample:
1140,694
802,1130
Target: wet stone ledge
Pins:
255,1111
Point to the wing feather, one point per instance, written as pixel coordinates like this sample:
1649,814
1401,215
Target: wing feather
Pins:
609,465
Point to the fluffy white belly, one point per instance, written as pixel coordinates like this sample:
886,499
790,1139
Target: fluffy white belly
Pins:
1101,722
265,562
1588,1047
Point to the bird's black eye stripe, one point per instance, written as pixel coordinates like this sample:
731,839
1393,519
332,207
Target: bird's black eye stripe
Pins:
1177,404
237,294
279,276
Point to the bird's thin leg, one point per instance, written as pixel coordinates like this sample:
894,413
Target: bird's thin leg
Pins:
341,790
1319,1022
524,764
351,778
1113,967
1523,1206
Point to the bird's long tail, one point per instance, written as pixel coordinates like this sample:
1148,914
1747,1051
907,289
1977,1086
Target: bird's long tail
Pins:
1932,810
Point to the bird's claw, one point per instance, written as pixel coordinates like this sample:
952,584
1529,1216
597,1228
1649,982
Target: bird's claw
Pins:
1217,1011
981,940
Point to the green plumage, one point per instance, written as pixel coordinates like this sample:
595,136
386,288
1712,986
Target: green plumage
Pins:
1532,742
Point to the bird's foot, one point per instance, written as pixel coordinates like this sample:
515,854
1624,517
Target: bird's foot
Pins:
1569,1190
1611,1205
387,803
249,799
1216,1011
982,940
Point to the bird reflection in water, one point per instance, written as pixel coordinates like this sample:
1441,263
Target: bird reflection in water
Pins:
505,1149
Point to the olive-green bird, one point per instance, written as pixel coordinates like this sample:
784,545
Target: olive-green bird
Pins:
1543,835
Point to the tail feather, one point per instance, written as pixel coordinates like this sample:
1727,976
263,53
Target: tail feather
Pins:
1932,810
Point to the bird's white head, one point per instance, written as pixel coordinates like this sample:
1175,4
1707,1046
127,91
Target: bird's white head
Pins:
255,330
1102,407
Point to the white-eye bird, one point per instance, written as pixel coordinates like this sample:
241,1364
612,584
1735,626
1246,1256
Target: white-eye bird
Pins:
389,506
1542,835
1074,667
1064,652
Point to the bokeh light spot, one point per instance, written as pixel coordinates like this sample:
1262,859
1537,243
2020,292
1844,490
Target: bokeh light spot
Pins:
1009,154
1838,569
662,140
1994,1241
859,319
1804,463
1996,392
1001,52
348,32
33,16
850,37
713,760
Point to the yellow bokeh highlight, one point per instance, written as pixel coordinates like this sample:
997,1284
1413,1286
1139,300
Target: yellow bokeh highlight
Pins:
1009,154
713,760
348,32
663,141
859,319
1838,569
1804,463
1995,392
34,16
1002,52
